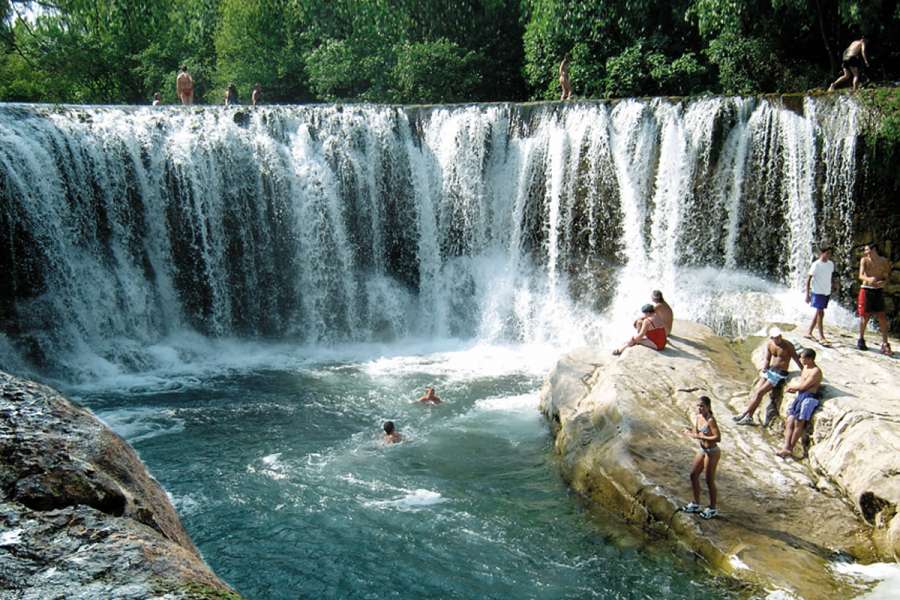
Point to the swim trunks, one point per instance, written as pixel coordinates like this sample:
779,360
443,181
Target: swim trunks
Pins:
870,301
851,61
819,300
803,406
776,377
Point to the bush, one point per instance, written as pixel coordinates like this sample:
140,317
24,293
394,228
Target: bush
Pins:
439,71
746,64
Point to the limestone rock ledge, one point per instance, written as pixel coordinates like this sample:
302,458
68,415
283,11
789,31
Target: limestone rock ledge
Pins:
80,516
617,424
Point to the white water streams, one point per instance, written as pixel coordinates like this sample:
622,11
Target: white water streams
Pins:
121,227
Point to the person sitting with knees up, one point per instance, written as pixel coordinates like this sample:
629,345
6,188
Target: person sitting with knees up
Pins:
805,404
391,435
706,431
772,375
651,331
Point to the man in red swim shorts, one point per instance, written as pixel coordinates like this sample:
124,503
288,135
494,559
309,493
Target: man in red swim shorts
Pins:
874,271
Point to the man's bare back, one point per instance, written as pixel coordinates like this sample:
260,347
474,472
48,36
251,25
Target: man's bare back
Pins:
855,48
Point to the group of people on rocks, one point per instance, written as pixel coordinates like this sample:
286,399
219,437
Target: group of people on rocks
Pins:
391,434
654,326
184,89
851,60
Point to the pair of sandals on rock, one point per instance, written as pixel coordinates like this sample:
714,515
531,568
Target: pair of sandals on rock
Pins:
707,513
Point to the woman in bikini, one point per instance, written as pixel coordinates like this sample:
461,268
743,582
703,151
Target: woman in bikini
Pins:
651,331
706,431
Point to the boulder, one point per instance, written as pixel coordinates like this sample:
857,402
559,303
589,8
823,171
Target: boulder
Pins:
618,425
80,516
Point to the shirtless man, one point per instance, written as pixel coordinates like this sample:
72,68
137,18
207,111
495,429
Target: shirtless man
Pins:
256,96
779,353
804,405
663,310
430,397
874,271
850,63
391,435
564,83
184,87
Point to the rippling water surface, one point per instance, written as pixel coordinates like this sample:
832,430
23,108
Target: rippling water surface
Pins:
283,482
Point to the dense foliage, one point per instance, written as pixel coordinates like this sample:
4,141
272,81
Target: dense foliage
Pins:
415,51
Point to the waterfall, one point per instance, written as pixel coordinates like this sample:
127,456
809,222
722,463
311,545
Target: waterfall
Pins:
330,224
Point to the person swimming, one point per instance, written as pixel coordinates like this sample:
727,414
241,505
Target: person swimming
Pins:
391,435
429,397
706,431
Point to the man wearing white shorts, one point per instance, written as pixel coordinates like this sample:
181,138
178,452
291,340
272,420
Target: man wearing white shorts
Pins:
818,291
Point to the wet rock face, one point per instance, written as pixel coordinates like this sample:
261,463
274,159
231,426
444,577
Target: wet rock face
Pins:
80,517
618,422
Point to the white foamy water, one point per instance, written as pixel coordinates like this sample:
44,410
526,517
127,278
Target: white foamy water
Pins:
157,237
411,500
141,423
881,580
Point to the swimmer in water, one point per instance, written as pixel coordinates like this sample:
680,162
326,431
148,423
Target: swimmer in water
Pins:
430,397
391,435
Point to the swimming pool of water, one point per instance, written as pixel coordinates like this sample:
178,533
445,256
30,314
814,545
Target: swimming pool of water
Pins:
282,479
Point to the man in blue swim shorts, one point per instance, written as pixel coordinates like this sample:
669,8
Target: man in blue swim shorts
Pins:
779,353
818,291
805,404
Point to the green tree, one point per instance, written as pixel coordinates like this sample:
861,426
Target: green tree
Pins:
439,71
255,43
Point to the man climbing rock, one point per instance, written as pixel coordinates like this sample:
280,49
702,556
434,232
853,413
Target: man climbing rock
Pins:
850,63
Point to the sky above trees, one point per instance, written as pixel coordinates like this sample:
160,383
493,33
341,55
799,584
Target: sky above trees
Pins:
432,51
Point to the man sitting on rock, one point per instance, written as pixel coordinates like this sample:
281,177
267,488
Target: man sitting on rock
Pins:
801,409
663,310
773,374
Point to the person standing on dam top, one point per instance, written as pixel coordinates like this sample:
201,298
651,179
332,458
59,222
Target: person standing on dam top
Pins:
773,374
231,95
850,63
651,331
874,271
157,99
805,404
256,96
184,87
564,83
819,286
706,431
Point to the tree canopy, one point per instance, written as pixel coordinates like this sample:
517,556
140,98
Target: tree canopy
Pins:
423,51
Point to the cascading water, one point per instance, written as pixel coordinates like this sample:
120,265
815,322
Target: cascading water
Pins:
120,227
246,295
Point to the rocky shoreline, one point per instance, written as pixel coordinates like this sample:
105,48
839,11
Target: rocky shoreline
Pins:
784,524
80,516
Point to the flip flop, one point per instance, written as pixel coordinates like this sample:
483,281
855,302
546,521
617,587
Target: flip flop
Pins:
617,352
826,343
